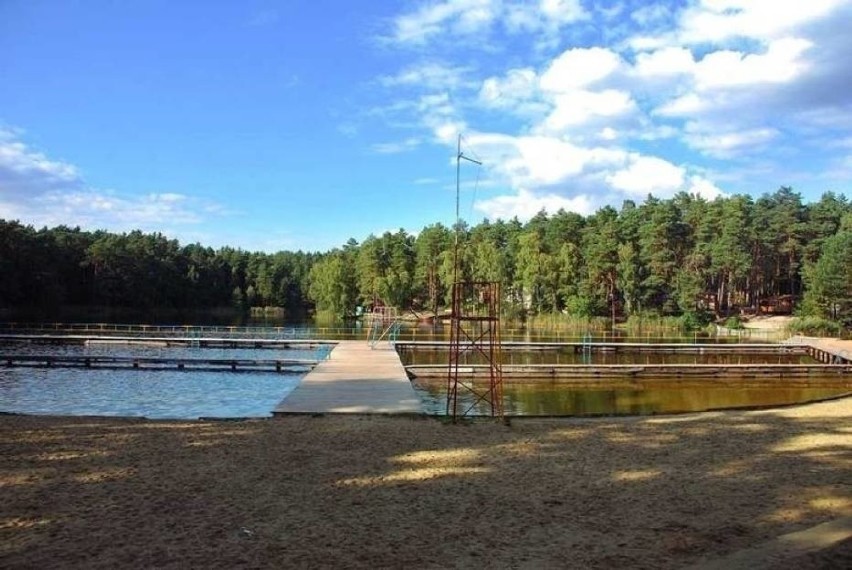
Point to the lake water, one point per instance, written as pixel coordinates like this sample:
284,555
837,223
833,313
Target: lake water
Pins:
146,393
611,397
192,394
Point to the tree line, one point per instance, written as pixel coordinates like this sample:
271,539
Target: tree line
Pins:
683,256
62,266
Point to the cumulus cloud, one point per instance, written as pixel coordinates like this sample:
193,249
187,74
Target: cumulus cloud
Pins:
510,91
781,63
663,62
579,67
721,20
525,204
581,106
643,107
535,161
648,175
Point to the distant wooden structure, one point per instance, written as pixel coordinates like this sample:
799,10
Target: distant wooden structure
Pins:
778,305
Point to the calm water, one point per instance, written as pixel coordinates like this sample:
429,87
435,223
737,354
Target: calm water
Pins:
193,394
617,397
644,398
148,393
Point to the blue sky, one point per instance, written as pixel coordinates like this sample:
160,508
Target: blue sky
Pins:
298,124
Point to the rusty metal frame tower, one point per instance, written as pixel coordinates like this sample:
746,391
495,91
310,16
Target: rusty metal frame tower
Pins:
474,333
475,337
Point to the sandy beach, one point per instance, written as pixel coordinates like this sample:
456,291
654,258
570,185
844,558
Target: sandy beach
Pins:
356,491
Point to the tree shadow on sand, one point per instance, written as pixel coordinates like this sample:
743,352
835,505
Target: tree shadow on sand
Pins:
361,491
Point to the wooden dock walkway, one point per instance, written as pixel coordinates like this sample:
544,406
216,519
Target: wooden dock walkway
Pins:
355,379
166,341
828,350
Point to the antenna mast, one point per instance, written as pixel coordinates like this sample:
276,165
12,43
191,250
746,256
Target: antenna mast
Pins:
474,333
459,157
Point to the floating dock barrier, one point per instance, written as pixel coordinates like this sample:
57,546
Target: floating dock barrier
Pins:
123,362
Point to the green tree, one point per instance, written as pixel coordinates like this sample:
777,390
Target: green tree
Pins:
829,280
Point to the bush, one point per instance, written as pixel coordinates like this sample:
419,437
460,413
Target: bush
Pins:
693,321
733,323
578,306
815,326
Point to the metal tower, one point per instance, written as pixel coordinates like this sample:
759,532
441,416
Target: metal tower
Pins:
474,335
475,343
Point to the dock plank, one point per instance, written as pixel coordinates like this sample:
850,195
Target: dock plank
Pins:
839,350
355,379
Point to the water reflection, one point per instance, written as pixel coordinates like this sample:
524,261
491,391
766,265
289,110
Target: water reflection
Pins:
636,398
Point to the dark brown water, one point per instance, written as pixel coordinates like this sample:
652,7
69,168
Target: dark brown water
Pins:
411,356
637,398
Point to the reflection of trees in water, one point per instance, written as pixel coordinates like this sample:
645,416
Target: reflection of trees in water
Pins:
548,399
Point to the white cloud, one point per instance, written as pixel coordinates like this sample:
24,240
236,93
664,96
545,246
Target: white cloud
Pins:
25,172
430,75
517,86
721,20
665,62
535,161
648,175
724,144
431,19
780,64
562,95
396,147
650,14
45,192
447,132
526,204
700,186
462,18
683,106
106,210
626,115
581,106
579,67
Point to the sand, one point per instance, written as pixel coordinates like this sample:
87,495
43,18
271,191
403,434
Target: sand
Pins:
391,492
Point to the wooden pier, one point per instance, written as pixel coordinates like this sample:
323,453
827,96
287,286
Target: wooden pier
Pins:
355,379
166,341
122,362
827,350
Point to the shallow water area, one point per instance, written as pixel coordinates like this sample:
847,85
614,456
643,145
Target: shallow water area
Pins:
614,398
